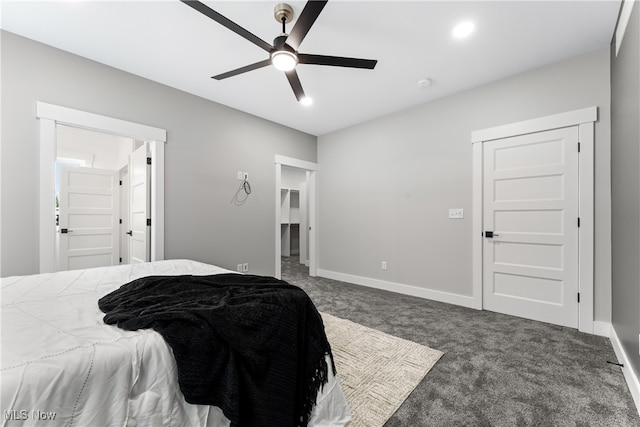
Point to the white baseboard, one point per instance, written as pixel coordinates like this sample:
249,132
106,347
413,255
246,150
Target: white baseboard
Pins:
629,375
602,329
465,301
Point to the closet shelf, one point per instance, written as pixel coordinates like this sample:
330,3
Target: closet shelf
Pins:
290,221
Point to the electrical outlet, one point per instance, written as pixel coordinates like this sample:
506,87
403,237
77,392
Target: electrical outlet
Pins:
240,175
384,265
239,268
245,267
245,176
456,213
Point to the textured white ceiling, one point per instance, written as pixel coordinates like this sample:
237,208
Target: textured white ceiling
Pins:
169,42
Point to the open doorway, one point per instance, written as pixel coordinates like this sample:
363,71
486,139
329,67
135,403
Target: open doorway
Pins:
295,216
93,199
294,219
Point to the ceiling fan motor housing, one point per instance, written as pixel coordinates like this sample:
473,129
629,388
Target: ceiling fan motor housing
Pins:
280,43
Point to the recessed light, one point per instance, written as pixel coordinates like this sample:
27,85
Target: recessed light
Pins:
306,101
463,29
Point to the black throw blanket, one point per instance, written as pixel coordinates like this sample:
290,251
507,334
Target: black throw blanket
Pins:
254,346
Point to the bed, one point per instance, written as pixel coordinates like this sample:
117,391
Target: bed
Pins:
61,365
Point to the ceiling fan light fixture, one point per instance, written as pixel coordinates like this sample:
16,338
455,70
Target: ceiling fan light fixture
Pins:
284,60
306,101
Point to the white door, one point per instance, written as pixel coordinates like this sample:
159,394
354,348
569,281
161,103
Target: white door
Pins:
124,216
530,265
89,207
139,206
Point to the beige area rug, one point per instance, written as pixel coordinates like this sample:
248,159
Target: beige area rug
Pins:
377,370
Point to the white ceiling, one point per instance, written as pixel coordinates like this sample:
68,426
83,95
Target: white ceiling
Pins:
171,43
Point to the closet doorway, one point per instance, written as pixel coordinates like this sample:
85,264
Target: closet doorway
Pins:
295,214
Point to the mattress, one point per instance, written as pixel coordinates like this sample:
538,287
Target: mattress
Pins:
61,365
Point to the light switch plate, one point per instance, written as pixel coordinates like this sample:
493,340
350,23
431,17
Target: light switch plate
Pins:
456,213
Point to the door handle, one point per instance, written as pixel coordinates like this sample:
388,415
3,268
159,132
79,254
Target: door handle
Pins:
490,234
65,231
130,233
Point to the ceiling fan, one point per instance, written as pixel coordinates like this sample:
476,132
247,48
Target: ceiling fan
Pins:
283,54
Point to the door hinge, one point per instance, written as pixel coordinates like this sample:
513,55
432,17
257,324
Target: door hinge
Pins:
578,221
120,182
148,160
120,220
578,147
578,297
148,222
121,260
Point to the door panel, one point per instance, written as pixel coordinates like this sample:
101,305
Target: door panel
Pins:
534,255
89,206
528,288
533,221
530,266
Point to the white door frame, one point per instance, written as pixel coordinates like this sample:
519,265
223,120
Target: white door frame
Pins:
49,116
312,168
585,120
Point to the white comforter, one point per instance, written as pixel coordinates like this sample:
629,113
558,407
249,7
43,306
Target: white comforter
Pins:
61,365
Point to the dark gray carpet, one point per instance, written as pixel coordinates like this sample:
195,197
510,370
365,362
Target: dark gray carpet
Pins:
497,370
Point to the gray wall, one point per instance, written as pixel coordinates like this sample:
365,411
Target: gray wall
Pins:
385,186
207,144
625,188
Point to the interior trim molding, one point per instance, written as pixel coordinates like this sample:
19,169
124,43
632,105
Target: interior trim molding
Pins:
602,329
69,116
415,291
633,382
554,121
584,119
49,116
295,163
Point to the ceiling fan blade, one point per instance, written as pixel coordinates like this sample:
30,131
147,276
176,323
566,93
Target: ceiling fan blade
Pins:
306,19
243,69
226,22
337,61
294,81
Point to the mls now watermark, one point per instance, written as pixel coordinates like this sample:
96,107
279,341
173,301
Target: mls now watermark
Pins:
23,415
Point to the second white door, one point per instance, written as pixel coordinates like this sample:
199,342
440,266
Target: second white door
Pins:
139,207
